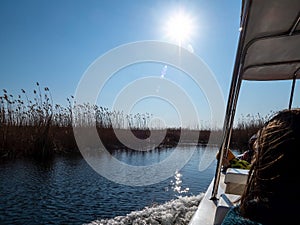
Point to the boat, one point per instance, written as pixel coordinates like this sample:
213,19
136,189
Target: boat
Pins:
268,50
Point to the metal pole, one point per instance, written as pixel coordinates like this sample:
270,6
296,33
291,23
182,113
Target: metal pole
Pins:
232,98
292,91
293,88
230,126
227,130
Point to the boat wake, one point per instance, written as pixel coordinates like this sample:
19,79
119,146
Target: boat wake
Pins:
178,211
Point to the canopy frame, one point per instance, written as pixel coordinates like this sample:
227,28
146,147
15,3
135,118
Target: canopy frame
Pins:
240,69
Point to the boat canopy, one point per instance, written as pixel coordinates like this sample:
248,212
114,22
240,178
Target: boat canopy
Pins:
268,50
271,45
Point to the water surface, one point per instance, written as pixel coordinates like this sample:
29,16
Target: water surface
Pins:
66,190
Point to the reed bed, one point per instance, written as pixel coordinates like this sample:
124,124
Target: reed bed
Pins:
37,127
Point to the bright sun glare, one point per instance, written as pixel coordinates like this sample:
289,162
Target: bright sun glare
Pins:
180,27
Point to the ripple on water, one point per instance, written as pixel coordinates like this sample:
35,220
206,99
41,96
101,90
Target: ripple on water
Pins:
67,190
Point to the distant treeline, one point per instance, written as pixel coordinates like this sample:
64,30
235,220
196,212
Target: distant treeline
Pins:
39,128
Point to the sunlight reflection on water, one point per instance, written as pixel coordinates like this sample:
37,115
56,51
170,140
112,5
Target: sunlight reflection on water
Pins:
67,190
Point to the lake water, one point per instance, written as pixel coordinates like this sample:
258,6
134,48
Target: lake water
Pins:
66,190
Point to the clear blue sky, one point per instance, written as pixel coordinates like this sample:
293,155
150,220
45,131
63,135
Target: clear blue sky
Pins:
54,42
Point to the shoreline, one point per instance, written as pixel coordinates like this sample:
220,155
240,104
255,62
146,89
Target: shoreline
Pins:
46,141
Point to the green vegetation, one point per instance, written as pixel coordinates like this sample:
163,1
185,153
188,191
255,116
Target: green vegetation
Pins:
39,128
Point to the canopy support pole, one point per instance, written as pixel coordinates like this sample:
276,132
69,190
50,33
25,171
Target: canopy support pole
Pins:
292,91
232,100
293,88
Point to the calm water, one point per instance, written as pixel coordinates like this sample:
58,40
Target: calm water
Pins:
67,190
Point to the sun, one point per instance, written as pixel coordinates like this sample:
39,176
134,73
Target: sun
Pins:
180,27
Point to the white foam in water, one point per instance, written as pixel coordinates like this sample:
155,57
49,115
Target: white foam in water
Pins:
178,211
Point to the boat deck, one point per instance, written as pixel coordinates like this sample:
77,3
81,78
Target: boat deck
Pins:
205,213
230,188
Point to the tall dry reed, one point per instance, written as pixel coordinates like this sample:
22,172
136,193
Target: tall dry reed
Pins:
38,127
